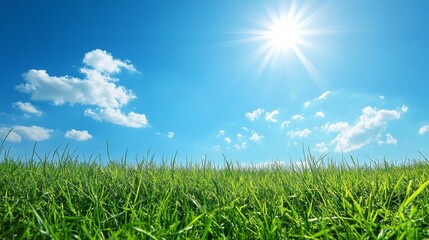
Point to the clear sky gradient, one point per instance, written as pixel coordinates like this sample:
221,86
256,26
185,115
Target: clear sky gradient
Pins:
254,80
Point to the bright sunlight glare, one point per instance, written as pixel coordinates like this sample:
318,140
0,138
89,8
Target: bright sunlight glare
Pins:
283,34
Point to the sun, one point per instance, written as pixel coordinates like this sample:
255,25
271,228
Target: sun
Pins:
283,36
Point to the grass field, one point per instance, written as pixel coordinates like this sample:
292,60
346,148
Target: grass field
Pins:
62,196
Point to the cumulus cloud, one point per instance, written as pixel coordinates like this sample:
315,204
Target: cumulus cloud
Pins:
424,129
221,133
228,140
78,135
370,126
115,116
98,88
299,133
27,108
33,133
104,62
252,116
256,137
271,116
319,114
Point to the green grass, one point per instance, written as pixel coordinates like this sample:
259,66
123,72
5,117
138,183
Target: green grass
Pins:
63,196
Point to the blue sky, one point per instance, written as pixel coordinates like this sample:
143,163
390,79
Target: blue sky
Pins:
254,80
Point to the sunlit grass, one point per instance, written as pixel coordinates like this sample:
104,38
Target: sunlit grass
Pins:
62,196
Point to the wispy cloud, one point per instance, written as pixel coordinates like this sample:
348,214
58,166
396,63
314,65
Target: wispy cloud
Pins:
99,88
27,108
33,133
299,133
240,146
320,98
284,124
252,116
78,135
423,129
323,96
322,147
298,117
370,125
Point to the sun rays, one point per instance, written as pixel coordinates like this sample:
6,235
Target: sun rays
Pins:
283,34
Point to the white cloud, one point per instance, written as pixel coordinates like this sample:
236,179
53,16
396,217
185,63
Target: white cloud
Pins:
381,97
284,124
240,146
424,129
322,147
11,136
115,116
256,137
252,116
307,104
98,88
323,96
221,133
271,116
299,133
78,135
27,108
33,133
170,134
103,61
245,129
319,115
239,135
390,139
298,117
228,140
370,125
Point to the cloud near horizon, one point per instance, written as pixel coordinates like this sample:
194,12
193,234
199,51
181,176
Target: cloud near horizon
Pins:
33,133
98,88
369,127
